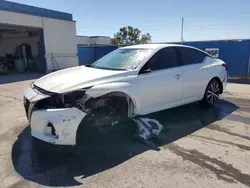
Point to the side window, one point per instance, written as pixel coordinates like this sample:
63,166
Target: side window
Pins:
163,59
191,56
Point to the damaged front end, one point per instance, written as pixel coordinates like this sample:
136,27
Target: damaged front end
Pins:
55,118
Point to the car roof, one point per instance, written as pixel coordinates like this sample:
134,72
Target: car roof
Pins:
150,46
160,46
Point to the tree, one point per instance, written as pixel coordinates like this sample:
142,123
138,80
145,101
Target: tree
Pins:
130,35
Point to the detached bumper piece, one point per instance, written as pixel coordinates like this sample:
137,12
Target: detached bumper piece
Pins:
56,126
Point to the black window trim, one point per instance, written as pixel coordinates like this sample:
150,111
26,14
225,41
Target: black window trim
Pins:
177,56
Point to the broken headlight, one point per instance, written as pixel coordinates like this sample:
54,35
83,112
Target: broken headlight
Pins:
75,98
69,99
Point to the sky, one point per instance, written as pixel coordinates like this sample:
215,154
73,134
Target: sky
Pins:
203,19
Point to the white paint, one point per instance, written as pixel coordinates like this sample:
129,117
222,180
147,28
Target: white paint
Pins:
101,40
83,40
65,122
168,87
195,76
150,92
20,19
213,52
77,78
60,40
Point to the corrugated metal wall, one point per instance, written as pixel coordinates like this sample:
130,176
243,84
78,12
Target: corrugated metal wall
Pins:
87,55
234,52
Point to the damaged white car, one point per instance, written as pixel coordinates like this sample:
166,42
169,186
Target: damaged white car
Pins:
129,81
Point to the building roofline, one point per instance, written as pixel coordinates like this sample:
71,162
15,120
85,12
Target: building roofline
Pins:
93,36
35,11
99,36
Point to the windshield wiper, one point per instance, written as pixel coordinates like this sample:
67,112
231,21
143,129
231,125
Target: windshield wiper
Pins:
107,68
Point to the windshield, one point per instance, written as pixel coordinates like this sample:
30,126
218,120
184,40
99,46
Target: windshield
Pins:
122,59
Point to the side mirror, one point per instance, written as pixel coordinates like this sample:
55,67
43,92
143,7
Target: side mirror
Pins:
146,71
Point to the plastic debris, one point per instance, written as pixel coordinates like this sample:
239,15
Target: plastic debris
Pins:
148,128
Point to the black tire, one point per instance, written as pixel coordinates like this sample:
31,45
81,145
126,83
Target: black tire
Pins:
211,94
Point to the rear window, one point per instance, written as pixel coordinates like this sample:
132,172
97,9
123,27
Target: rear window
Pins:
191,56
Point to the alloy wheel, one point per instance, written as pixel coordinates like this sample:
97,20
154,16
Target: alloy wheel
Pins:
213,92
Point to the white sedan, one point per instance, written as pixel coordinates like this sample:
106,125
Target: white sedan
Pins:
130,81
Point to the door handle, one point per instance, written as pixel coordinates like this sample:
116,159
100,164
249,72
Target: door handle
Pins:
177,76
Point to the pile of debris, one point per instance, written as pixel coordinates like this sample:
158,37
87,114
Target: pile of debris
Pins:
147,129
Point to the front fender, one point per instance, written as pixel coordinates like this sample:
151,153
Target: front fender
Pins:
124,87
103,89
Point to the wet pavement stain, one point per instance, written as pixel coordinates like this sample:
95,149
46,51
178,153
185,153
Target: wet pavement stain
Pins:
204,138
221,129
225,172
57,166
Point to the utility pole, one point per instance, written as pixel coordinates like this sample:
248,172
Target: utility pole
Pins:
182,22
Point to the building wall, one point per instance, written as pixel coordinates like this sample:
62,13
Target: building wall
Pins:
96,40
101,40
60,41
59,37
20,19
83,40
236,53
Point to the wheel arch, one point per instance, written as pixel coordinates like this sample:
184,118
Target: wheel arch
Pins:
219,81
122,88
129,110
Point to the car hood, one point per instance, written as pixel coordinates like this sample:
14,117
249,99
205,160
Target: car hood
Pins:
79,77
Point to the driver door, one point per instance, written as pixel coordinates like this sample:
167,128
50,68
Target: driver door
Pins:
160,82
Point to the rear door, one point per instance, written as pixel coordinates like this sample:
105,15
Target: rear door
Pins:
160,82
195,73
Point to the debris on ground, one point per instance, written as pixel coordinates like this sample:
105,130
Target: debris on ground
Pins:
148,128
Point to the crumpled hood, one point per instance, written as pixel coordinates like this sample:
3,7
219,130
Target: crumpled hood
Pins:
78,77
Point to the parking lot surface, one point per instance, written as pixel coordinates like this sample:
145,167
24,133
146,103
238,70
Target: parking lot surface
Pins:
198,147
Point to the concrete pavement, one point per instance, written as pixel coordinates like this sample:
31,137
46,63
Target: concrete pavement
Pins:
198,148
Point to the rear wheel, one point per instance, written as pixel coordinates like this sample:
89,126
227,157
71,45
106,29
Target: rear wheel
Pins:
212,93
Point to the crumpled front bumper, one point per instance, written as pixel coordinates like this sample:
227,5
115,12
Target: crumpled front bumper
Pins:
55,126
65,123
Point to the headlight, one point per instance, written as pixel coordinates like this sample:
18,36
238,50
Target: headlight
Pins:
70,99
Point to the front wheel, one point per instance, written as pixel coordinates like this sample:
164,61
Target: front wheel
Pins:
212,93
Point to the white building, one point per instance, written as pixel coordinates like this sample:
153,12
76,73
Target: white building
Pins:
93,40
43,37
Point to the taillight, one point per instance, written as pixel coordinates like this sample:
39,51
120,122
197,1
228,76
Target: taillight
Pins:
225,65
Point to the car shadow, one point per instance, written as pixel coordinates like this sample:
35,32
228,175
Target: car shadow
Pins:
104,149
15,77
